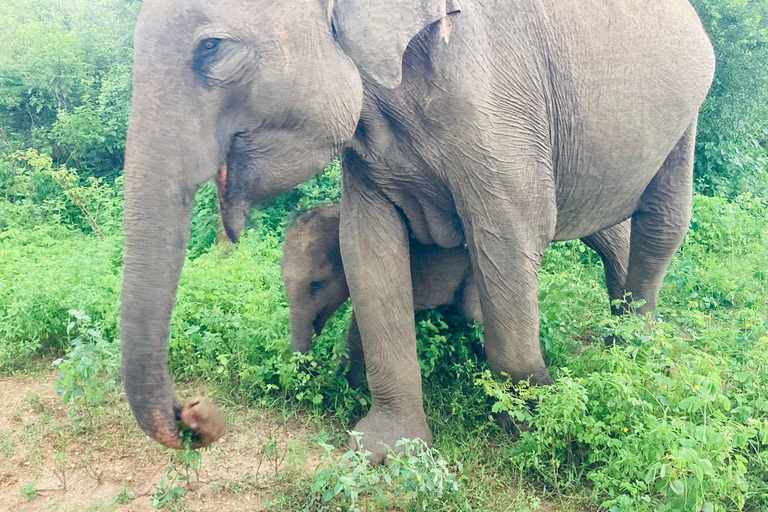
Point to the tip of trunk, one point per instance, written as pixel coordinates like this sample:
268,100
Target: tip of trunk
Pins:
196,424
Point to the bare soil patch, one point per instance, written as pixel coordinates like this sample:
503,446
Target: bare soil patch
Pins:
51,461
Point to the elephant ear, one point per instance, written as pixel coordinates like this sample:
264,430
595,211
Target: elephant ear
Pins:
375,33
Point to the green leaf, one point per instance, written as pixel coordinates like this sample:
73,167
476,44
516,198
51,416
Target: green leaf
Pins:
677,487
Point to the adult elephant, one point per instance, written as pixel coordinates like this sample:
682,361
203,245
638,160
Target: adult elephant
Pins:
502,124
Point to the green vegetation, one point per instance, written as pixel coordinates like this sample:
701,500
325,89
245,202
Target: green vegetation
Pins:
732,147
676,419
419,475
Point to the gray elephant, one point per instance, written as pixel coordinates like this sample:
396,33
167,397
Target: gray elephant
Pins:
316,285
501,124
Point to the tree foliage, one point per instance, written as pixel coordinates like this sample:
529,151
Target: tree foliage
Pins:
65,76
732,148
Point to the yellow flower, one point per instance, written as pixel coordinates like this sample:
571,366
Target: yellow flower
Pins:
748,326
626,429
697,387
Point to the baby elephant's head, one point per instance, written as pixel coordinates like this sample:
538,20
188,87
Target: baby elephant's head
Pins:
313,273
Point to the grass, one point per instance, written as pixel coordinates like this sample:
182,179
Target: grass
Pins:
675,419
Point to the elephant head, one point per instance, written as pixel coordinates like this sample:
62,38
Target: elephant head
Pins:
263,92
313,273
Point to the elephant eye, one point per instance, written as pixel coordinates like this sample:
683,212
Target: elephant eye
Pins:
315,286
208,46
204,55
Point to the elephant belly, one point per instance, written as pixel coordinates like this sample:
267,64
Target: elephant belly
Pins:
426,204
620,103
604,185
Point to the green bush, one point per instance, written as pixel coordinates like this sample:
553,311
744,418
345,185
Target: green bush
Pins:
732,146
419,474
65,75
45,272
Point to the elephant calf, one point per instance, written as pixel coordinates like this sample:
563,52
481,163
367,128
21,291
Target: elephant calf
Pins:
317,287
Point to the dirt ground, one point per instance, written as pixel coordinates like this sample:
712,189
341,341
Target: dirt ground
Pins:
50,461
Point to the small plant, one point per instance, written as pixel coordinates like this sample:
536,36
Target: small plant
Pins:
86,372
125,496
271,451
418,474
424,476
30,492
273,454
61,468
181,466
92,470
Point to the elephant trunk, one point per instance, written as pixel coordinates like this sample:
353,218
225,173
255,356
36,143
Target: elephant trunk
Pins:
301,331
159,196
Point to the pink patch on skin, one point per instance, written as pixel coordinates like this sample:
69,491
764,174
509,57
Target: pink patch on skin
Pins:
282,34
221,182
446,25
445,28
282,38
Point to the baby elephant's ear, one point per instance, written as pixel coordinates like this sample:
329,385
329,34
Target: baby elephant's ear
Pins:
375,33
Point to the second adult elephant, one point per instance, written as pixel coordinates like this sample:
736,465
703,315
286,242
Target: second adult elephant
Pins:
502,124
316,285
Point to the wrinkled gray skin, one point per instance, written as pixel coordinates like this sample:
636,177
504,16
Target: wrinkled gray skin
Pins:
502,124
316,285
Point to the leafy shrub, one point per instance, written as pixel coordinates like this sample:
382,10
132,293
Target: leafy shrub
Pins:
36,191
732,146
419,475
45,272
89,368
66,69
663,423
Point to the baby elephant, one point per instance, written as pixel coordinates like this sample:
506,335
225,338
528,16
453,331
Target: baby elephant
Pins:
317,287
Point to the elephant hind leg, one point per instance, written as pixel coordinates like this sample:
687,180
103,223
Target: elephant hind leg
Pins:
612,245
660,222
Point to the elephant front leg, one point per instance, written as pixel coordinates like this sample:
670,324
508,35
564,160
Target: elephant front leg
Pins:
376,255
355,364
506,249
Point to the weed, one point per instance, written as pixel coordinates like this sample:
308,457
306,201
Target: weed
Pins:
181,466
92,470
30,492
87,371
419,475
61,468
125,496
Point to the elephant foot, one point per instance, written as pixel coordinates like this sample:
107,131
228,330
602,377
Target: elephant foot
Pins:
204,418
381,431
509,426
